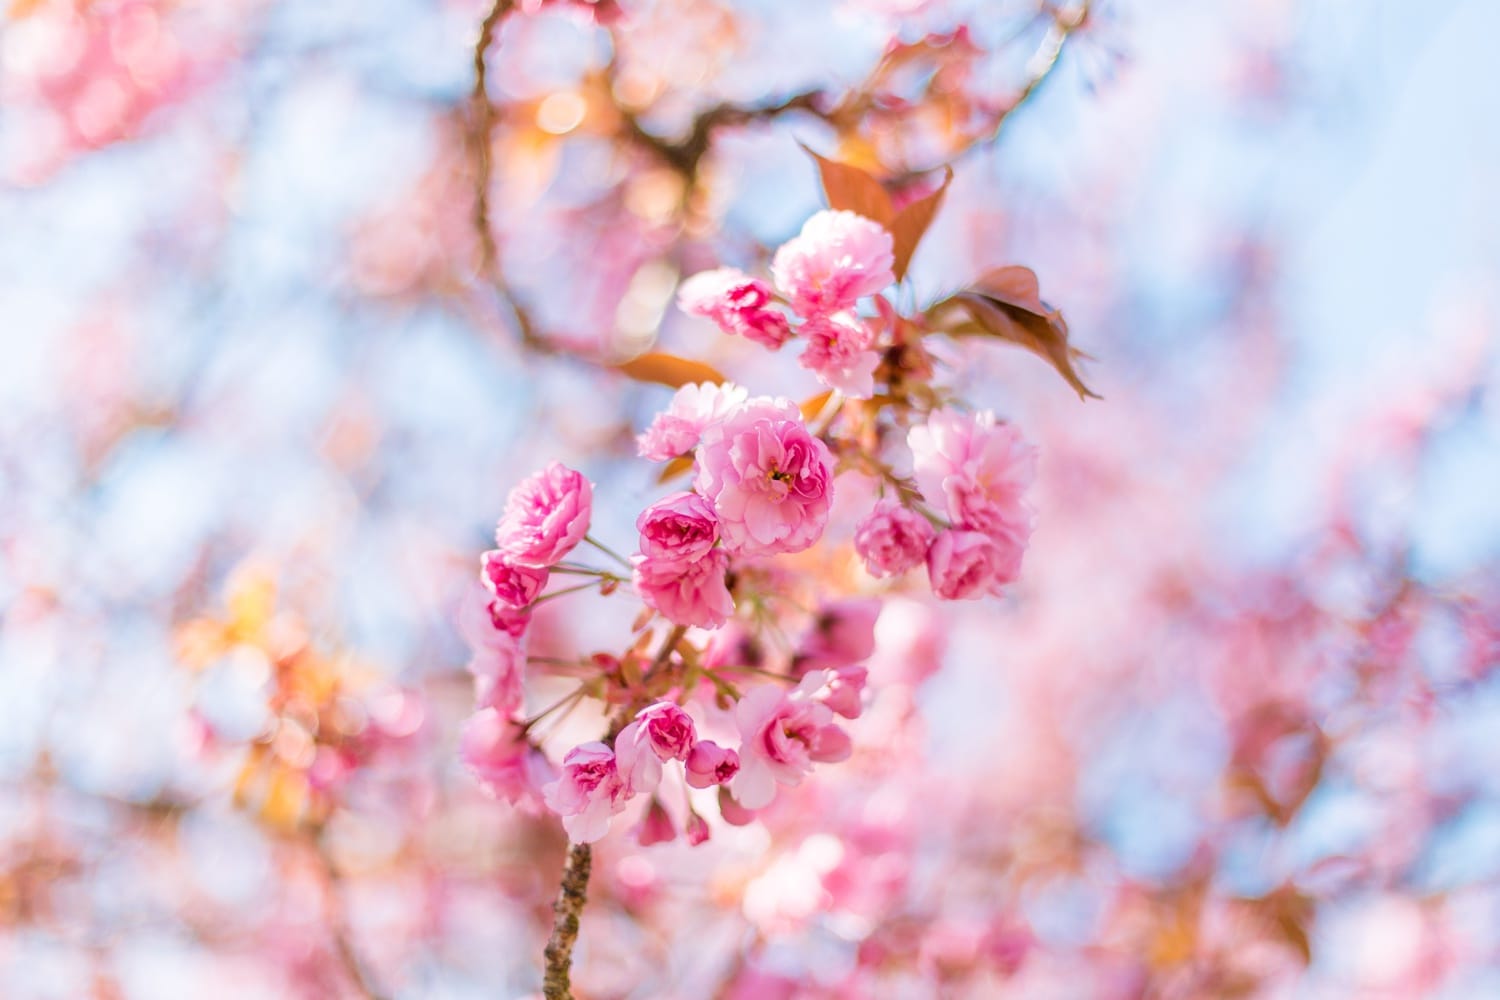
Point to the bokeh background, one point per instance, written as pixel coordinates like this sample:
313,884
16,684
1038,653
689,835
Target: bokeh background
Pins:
1236,731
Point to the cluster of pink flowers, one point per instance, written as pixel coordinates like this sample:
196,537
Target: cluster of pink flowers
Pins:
545,518
764,486
838,259
975,470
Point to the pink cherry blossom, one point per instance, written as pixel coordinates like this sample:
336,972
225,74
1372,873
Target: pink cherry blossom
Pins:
498,662
977,468
892,539
842,633
695,407
782,733
687,593
738,303
769,479
658,733
837,259
546,515
588,792
845,691
709,764
680,527
840,352
966,565
494,751
513,585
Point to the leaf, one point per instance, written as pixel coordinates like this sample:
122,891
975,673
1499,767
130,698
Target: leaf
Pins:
854,190
912,221
812,407
669,370
1006,303
675,468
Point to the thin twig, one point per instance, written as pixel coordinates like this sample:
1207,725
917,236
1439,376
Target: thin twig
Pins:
572,893
338,923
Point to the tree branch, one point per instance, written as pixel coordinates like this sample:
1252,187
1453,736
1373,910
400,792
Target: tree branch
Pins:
571,895
573,892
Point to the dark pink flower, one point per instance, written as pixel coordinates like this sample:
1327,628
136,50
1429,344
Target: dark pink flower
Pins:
738,303
892,539
770,481
680,527
546,515
709,764
513,585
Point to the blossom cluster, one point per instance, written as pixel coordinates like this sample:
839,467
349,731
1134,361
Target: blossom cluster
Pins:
822,274
761,487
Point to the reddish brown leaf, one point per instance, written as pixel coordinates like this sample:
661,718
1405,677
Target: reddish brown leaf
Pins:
675,468
814,406
912,221
669,370
1006,303
850,188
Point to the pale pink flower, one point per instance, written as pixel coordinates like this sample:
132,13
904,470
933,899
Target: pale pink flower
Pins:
842,633
709,764
769,479
976,467
658,733
545,516
686,593
588,793
845,691
680,527
738,303
498,660
837,259
513,585
497,754
840,352
892,539
782,733
677,429
965,565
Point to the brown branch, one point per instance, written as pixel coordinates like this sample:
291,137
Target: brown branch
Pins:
573,892
685,155
571,895
481,138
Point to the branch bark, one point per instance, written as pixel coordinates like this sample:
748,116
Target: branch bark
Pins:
571,895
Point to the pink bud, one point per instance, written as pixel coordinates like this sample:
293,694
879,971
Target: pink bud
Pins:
709,764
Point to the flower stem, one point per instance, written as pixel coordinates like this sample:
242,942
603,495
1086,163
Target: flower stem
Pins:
607,550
